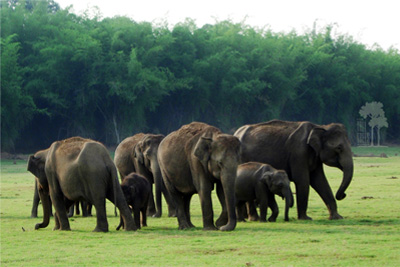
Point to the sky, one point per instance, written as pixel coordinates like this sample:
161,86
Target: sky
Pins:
368,22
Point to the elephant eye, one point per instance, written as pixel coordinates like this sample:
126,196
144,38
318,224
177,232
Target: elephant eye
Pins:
339,148
220,164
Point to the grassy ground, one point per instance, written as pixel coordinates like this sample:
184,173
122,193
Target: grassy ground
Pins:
368,236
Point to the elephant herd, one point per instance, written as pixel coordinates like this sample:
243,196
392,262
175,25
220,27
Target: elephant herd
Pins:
248,169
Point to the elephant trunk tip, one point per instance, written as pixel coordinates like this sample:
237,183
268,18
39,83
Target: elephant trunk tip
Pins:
340,195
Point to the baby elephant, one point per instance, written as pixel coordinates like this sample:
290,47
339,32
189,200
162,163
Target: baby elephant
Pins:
136,190
259,182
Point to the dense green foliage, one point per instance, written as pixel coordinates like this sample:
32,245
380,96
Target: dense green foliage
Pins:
64,75
369,235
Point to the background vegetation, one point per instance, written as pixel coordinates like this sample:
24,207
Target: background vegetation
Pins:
64,74
368,236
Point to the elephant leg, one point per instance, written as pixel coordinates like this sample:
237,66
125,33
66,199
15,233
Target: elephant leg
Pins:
187,200
143,216
57,225
151,208
302,193
240,211
206,207
321,186
62,222
252,211
78,212
71,211
169,200
84,207
181,206
136,212
223,218
263,210
89,209
274,208
101,223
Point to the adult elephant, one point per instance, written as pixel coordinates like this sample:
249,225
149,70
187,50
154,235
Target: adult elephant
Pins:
301,148
138,154
78,169
193,159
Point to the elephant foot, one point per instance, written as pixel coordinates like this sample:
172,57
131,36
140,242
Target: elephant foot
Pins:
98,229
185,227
221,221
228,227
253,218
271,219
263,220
305,217
62,229
336,216
241,220
210,228
34,216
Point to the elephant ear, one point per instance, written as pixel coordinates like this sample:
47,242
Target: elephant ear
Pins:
34,166
138,154
315,139
266,178
202,150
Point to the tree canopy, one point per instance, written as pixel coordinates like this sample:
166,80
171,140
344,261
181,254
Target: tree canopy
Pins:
64,74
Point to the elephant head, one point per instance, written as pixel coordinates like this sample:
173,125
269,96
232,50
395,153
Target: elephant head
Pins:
219,155
36,165
278,183
332,146
146,151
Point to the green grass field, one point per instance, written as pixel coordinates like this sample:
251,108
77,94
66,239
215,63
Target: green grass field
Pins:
368,236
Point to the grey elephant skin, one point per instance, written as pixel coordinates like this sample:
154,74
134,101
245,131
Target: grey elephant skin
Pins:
260,182
136,190
301,149
138,154
78,169
193,159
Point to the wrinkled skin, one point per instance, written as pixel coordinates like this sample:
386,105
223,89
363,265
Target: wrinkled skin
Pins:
301,148
136,190
193,159
138,154
77,169
261,182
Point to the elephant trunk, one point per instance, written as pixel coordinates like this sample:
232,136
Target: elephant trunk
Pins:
288,195
44,196
228,184
347,167
158,187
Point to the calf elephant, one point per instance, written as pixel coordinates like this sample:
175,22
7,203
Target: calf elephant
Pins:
259,182
301,148
136,190
193,159
138,154
78,169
